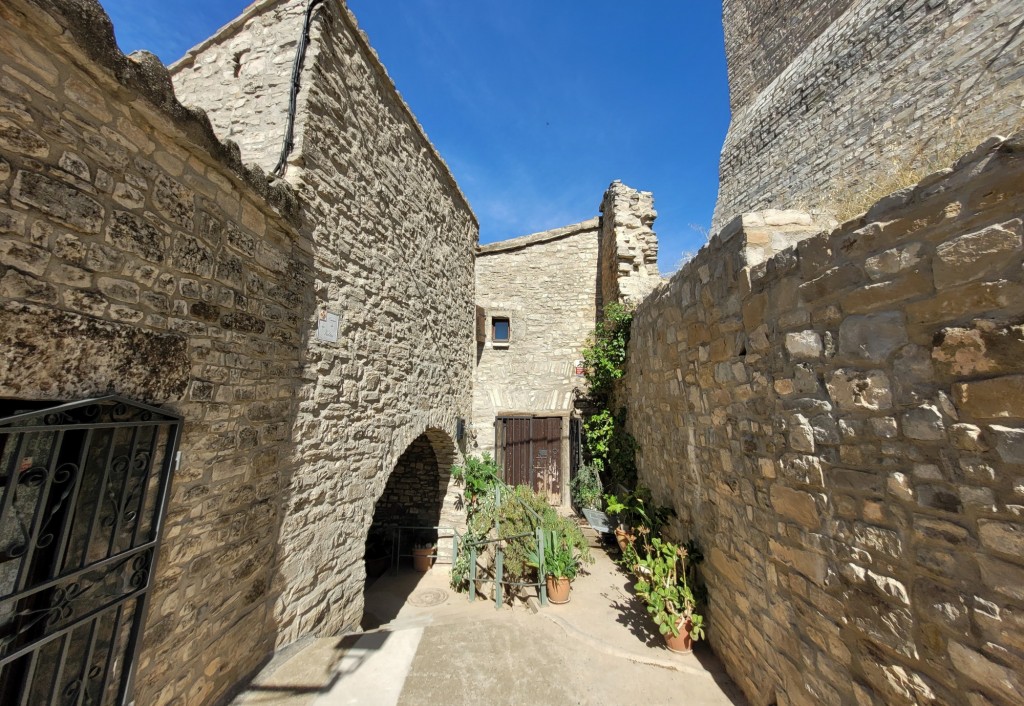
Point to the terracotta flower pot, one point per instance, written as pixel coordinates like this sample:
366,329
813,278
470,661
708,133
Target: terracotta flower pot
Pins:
624,537
682,642
422,558
558,589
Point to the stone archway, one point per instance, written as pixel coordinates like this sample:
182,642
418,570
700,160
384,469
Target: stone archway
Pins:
417,495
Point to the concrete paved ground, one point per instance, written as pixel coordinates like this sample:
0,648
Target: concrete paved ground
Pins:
435,647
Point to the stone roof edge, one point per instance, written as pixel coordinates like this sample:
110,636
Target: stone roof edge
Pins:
89,27
228,29
346,15
525,241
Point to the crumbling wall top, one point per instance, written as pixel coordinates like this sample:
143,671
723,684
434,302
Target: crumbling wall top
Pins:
85,25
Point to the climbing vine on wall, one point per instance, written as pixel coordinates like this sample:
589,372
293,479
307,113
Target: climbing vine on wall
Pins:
605,440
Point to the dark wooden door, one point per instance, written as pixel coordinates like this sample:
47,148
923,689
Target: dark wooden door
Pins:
529,450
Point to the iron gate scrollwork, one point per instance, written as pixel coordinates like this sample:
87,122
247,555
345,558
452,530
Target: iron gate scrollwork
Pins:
84,492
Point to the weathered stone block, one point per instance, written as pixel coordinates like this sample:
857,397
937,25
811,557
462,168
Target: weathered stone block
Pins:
58,200
796,505
1003,537
892,262
811,564
924,424
1009,443
21,141
986,349
801,435
859,481
995,398
885,295
965,301
24,256
976,255
129,232
990,675
854,390
1002,576
872,337
804,345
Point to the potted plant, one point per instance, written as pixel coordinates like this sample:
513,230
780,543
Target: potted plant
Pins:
559,567
665,586
621,511
423,553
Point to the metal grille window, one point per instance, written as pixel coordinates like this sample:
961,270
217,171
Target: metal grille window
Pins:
84,492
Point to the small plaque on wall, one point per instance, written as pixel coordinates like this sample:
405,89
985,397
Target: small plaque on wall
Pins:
579,368
327,327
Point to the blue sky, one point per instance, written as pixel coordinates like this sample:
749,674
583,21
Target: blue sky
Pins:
536,105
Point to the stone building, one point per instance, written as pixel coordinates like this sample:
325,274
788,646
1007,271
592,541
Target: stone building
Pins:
836,417
837,103
314,333
835,413
539,297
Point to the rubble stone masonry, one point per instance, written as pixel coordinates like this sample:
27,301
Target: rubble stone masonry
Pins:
831,98
841,429
138,256
546,285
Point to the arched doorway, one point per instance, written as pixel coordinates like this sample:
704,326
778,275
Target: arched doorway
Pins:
412,504
414,508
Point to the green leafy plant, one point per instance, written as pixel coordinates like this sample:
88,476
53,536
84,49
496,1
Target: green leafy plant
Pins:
510,512
637,510
606,441
586,486
605,356
477,476
664,584
561,559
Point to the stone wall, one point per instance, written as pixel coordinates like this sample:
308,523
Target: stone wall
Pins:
629,247
762,37
242,76
840,428
393,250
140,258
546,285
887,90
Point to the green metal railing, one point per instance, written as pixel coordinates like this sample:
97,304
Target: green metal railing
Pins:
499,543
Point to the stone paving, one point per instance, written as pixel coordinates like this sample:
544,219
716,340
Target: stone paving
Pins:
434,646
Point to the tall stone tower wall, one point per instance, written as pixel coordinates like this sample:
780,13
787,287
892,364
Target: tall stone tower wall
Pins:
827,118
762,37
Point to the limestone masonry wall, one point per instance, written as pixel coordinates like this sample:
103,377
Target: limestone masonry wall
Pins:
841,428
241,77
546,285
628,269
886,88
762,37
140,257
394,245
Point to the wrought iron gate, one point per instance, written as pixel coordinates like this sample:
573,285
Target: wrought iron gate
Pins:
84,491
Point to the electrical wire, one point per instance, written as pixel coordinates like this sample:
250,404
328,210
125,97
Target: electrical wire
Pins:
300,56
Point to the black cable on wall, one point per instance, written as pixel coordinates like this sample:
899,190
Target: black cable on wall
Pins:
300,56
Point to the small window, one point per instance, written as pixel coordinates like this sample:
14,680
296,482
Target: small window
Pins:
500,330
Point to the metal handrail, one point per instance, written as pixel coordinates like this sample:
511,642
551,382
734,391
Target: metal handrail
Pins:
499,557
